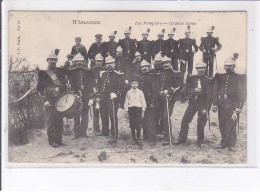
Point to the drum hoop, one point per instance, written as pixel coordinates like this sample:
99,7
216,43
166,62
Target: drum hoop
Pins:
70,92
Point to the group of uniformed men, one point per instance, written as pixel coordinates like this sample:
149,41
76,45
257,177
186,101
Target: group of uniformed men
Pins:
104,85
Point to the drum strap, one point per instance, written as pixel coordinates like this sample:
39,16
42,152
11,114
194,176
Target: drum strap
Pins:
54,77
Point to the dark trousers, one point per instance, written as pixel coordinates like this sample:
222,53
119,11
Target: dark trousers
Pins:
164,116
209,60
106,113
149,124
183,66
81,122
54,126
227,127
135,120
174,59
158,120
96,120
186,120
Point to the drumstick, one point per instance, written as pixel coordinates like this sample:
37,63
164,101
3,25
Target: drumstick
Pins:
67,91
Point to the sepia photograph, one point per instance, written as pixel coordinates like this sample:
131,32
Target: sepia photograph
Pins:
147,88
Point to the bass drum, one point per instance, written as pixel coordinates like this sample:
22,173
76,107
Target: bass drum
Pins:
69,105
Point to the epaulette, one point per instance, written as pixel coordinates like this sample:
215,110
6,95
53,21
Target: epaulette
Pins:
202,38
120,73
101,73
217,38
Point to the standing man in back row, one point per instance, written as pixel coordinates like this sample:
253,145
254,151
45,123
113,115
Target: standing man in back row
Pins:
187,49
79,48
173,49
209,46
145,46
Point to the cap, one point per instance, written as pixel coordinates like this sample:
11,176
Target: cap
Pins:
69,56
137,54
158,57
52,55
144,63
229,61
78,38
109,59
210,28
172,31
165,59
187,29
78,57
98,35
134,78
201,64
119,49
99,57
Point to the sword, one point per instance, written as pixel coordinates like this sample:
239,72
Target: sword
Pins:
238,124
90,113
168,115
216,62
114,119
209,119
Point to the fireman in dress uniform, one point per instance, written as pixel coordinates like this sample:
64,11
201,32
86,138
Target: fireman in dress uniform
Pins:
173,49
79,48
229,98
111,45
170,82
145,46
95,97
95,48
135,69
51,85
209,46
186,52
81,83
129,48
160,46
120,60
156,72
199,88
149,121
109,91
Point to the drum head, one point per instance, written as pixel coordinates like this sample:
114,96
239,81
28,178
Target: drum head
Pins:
65,102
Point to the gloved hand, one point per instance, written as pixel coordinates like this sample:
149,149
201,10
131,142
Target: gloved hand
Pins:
165,92
90,102
214,108
197,90
152,105
95,90
113,95
238,110
204,112
68,85
204,50
126,81
47,104
234,116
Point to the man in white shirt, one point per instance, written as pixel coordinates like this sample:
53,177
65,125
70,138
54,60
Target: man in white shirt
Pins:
135,106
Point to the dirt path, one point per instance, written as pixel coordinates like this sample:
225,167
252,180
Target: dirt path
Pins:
97,150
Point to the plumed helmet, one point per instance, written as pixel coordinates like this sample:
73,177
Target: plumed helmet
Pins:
201,64
119,49
109,59
52,55
137,54
78,57
210,28
165,59
172,32
144,63
99,57
158,57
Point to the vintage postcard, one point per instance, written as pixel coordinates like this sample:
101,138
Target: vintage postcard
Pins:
127,87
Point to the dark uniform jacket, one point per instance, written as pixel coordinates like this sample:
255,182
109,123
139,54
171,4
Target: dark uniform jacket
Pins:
135,68
110,47
81,80
203,99
95,49
230,90
145,84
79,49
144,47
129,47
208,43
96,75
173,47
49,90
185,48
120,63
160,46
110,81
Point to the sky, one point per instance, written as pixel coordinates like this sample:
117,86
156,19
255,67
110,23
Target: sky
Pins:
33,35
